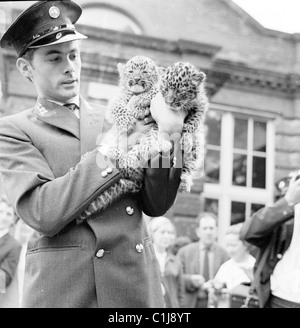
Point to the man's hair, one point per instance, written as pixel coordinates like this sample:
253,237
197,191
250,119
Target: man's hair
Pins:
28,55
206,214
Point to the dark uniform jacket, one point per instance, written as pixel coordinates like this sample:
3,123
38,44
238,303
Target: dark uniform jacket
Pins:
270,229
108,260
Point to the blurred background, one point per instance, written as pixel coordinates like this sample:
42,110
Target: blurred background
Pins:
253,83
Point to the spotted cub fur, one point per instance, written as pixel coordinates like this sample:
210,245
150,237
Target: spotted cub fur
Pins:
138,85
138,77
182,86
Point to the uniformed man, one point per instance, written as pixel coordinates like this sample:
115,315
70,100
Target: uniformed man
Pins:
108,260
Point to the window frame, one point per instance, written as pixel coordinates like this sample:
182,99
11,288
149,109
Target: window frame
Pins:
224,191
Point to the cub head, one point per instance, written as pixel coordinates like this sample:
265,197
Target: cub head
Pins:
138,74
180,84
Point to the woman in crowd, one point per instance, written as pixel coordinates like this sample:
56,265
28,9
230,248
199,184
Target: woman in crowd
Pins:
163,235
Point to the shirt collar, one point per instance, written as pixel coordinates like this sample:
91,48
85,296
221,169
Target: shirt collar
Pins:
74,100
202,247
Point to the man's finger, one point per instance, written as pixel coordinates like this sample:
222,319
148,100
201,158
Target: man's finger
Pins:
148,119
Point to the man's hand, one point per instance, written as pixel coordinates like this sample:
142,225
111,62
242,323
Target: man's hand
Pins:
197,280
127,140
292,195
169,122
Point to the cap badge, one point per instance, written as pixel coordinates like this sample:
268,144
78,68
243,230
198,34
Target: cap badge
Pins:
54,12
58,35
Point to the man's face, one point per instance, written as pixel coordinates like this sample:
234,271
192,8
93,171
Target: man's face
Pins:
55,71
207,230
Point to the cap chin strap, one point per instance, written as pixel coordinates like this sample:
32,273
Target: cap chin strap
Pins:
59,29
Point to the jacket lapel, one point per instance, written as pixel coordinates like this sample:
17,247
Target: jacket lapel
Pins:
91,126
57,115
88,129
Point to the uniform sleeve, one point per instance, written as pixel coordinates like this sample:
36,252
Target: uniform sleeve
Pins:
161,183
9,265
44,202
259,229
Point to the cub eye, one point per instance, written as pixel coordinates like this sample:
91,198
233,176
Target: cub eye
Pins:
130,71
145,72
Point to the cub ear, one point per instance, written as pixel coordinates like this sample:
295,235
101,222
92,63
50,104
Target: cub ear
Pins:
199,77
120,67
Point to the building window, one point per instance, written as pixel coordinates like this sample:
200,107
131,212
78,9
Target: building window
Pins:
239,164
104,16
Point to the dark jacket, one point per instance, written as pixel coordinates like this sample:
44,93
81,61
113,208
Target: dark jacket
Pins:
107,261
270,229
173,282
189,256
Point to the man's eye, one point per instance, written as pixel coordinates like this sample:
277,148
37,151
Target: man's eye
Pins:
54,59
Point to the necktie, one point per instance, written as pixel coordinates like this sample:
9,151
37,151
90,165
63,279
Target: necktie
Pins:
71,106
206,265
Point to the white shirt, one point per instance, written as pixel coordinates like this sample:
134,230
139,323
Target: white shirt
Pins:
232,273
285,280
74,100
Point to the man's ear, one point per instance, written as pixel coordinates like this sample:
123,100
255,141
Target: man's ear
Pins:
24,67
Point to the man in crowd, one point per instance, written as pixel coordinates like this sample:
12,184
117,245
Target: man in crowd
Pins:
200,261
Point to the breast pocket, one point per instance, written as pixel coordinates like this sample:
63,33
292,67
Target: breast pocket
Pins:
60,248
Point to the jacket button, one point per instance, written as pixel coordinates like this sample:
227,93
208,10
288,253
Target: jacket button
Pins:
279,256
139,248
129,210
109,170
104,174
100,253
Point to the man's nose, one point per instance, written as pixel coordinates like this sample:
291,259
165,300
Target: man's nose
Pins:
69,68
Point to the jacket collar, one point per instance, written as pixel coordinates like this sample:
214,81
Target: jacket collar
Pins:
88,129
56,115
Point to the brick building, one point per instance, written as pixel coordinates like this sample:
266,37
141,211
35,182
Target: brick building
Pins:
253,82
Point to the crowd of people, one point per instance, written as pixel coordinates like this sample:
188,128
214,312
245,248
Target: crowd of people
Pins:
116,258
